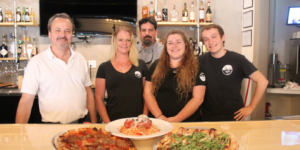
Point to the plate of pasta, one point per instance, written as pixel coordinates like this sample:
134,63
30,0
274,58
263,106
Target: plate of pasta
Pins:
139,128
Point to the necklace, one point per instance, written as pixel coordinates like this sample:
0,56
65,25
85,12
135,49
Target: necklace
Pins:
123,66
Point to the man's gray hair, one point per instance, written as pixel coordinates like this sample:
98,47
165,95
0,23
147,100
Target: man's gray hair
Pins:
60,15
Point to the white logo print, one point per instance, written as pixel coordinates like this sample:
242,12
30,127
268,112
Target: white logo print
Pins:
227,69
138,74
202,76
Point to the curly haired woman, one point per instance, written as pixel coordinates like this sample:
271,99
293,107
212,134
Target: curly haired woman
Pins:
175,84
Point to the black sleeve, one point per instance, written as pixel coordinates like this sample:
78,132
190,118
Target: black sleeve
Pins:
143,67
201,78
151,70
101,70
247,67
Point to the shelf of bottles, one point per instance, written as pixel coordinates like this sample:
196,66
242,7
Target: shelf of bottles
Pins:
182,23
11,24
12,58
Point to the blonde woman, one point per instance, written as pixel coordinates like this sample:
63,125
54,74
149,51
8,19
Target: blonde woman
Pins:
175,87
123,76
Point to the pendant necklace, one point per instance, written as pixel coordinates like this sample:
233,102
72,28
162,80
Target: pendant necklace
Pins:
123,67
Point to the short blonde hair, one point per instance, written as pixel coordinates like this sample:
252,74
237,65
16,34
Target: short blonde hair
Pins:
133,53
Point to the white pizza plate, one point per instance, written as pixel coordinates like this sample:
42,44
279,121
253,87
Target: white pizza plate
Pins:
55,138
114,128
158,139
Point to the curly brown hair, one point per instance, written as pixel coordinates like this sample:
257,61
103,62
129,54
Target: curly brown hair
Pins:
186,73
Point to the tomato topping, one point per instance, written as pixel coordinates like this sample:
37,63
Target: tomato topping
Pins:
78,142
89,131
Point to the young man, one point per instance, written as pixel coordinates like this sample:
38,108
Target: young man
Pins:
224,71
149,49
60,78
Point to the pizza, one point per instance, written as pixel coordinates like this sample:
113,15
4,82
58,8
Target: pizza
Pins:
91,139
140,126
197,139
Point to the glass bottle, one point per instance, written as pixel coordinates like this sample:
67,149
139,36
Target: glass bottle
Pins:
3,48
23,15
159,13
192,13
208,13
1,15
151,10
27,16
145,10
185,14
174,14
165,12
6,14
201,12
24,46
11,46
18,14
34,48
10,16
29,48
32,15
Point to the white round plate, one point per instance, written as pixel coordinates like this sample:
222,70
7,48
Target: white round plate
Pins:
54,139
114,128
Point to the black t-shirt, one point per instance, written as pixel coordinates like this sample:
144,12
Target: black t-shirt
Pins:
124,90
167,98
223,85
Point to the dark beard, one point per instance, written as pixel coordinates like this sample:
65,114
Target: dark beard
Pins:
147,42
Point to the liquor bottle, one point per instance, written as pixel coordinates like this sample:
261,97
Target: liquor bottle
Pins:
32,16
185,14
11,46
9,15
208,13
23,15
174,14
1,15
191,42
151,10
18,14
268,115
19,50
192,13
159,13
201,12
144,11
34,48
6,14
3,48
27,19
165,12
196,49
24,46
29,48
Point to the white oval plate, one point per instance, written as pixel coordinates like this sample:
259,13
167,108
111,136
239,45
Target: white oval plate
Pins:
114,128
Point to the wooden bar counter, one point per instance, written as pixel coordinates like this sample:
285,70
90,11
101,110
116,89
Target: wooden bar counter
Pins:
252,135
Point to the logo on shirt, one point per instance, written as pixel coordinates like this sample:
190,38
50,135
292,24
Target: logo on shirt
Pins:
138,74
202,76
227,70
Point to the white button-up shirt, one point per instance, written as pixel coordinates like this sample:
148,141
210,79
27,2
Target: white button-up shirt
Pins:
60,86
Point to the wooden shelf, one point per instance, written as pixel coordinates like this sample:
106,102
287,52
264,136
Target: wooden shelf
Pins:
12,58
181,24
11,24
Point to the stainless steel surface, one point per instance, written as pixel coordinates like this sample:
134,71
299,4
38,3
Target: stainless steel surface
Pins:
274,59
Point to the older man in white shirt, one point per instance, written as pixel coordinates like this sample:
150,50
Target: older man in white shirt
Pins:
60,78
